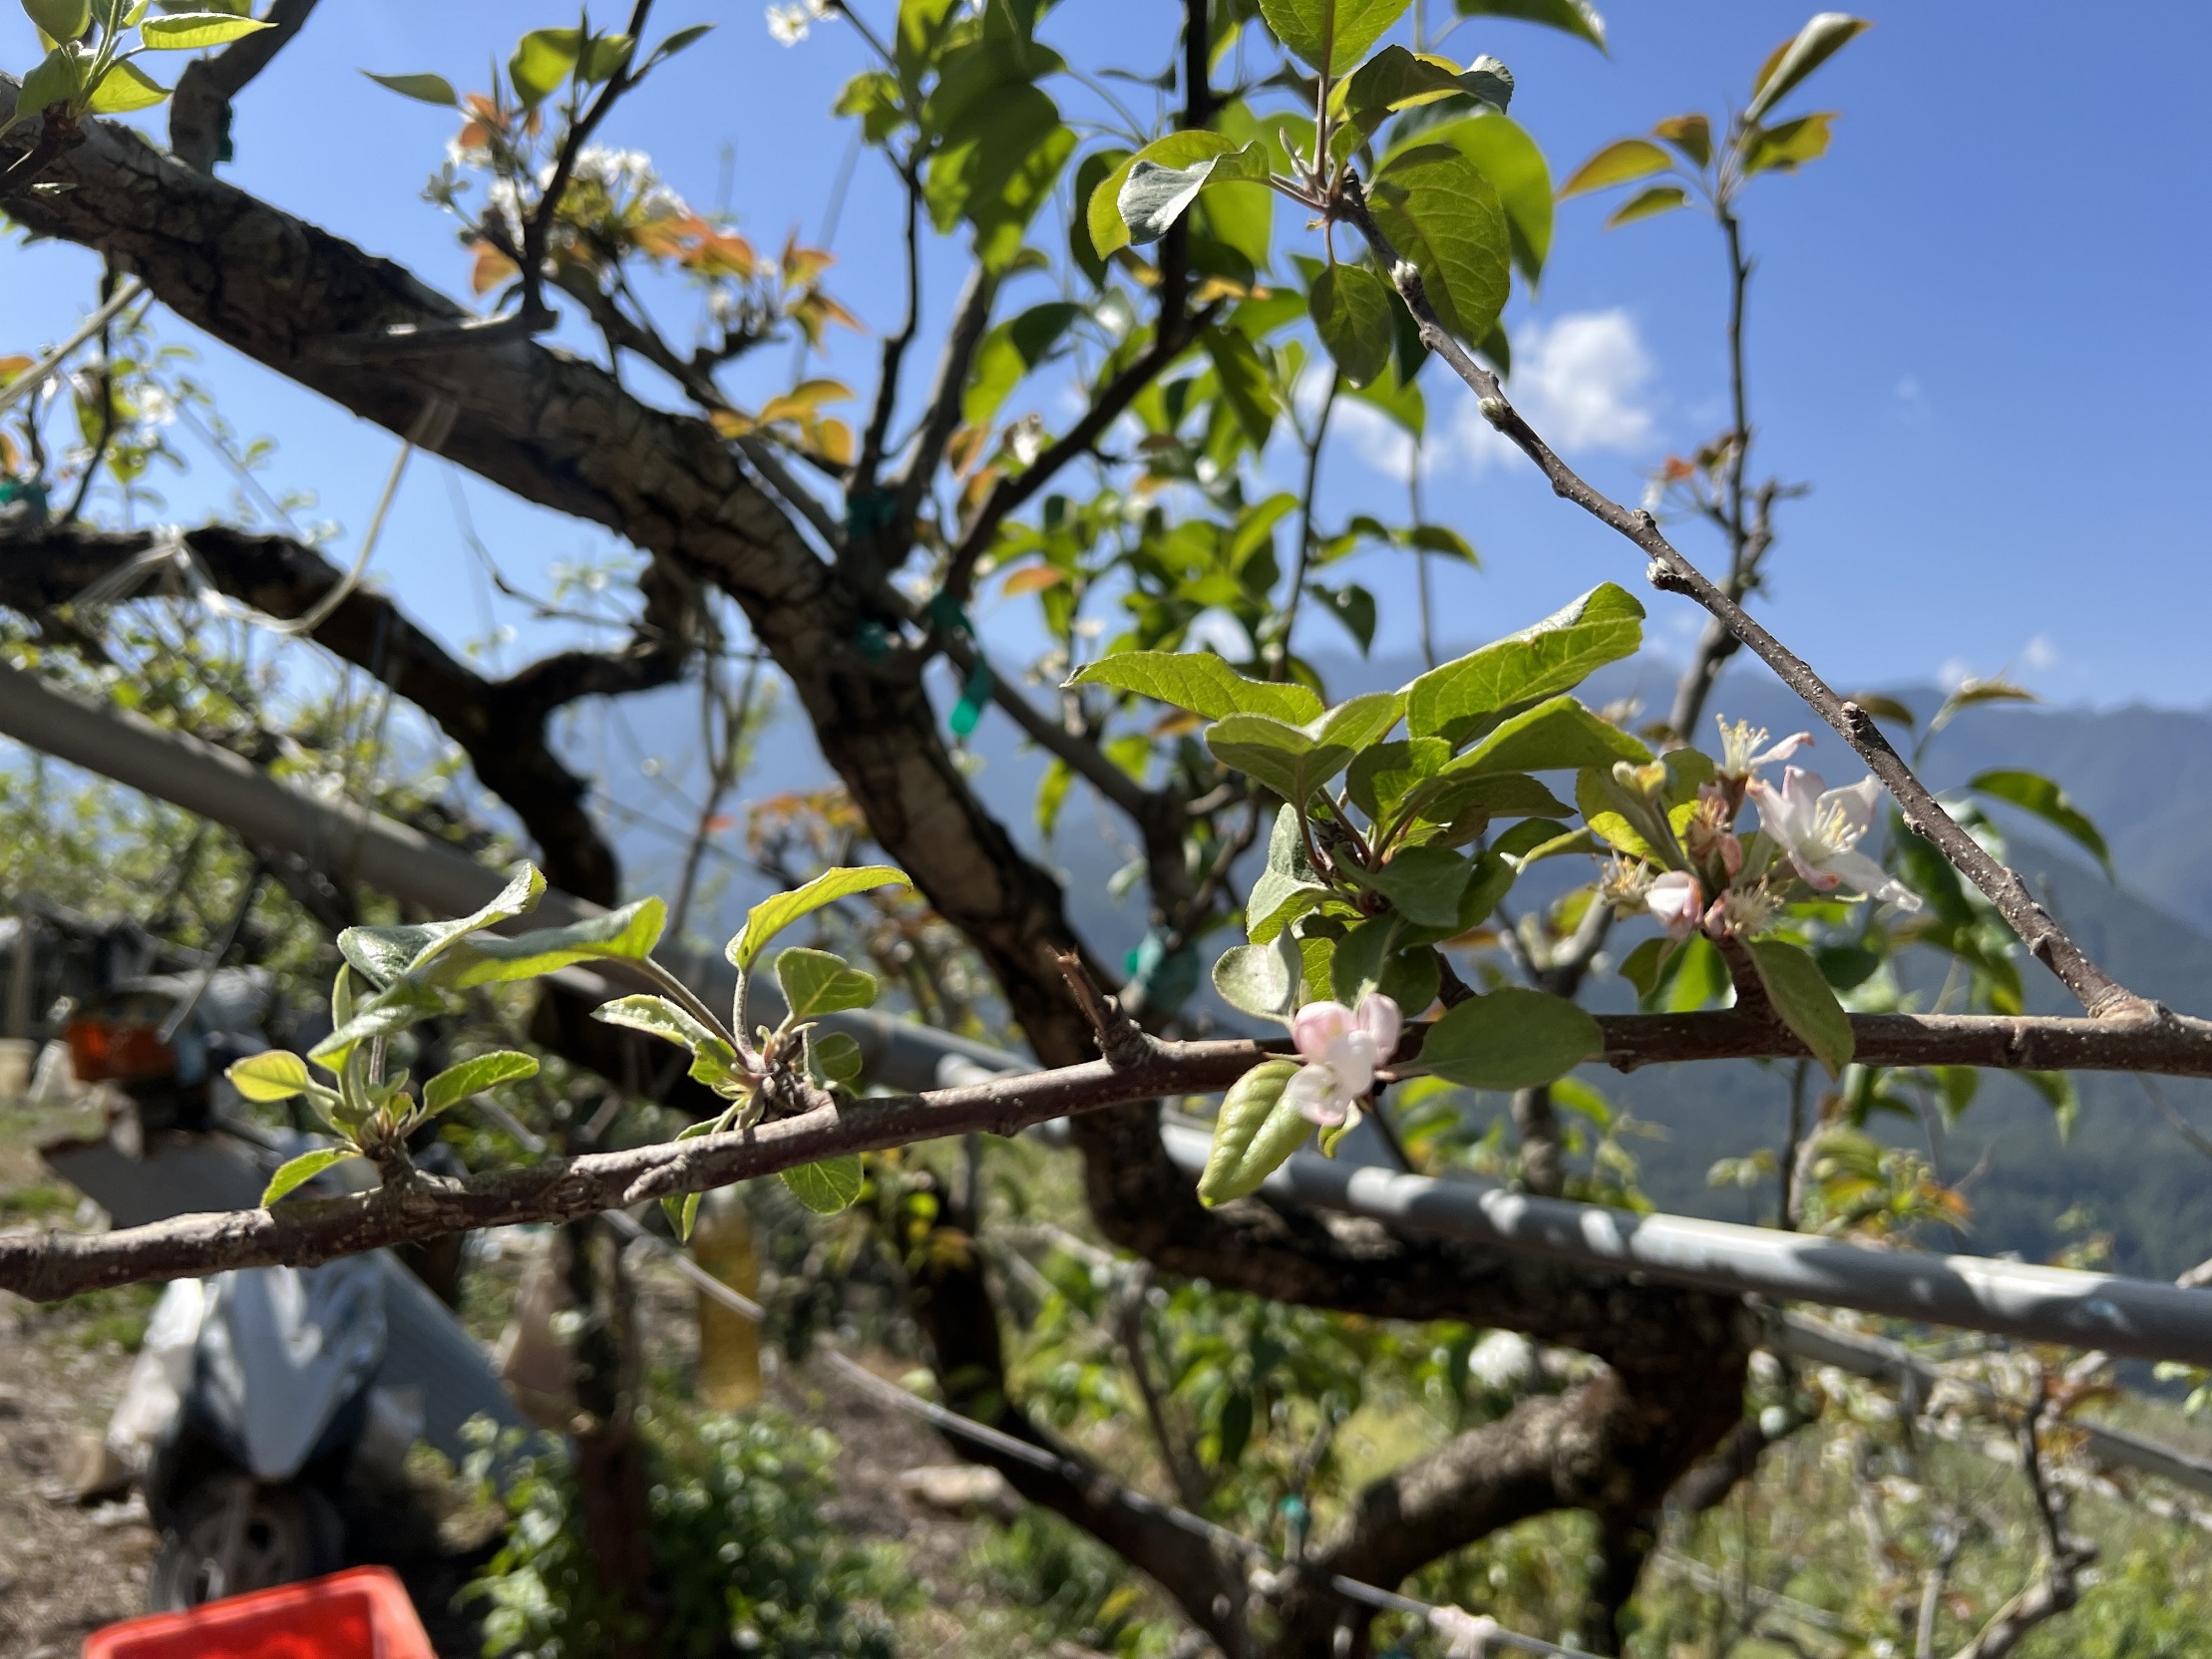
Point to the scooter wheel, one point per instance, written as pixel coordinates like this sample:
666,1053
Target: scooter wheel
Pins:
285,1533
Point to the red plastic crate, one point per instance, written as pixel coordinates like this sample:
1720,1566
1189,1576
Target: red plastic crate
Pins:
362,1613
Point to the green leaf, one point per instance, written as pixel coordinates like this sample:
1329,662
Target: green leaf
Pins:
1154,194
1330,35
1700,977
1641,966
2058,1092
54,78
1558,734
1296,760
815,983
996,169
190,31
658,1017
1092,172
1255,1133
1247,387
276,1074
302,1169
828,1186
1263,980
1690,133
1618,162
772,915
125,88
382,954
543,59
473,1077
625,935
1819,40
423,88
603,57
1424,885
1803,999
1648,204
1350,308
1502,150
1554,655
2033,792
1374,956
1786,148
1441,213
405,1003
1575,17
676,41
1200,682
1395,79
1510,1038
834,1057
1178,153
683,1215
1288,886
1009,352
1383,776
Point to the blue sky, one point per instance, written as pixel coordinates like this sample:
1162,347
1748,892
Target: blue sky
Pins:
1979,329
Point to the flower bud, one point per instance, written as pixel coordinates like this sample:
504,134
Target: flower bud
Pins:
60,20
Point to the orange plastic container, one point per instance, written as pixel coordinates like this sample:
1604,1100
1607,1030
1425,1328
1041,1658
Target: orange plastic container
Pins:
362,1613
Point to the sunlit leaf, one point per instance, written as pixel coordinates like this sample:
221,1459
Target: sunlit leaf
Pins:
1255,1133
1510,1038
2033,792
426,89
1618,162
772,915
1820,39
1805,1001
828,1186
302,1169
472,1077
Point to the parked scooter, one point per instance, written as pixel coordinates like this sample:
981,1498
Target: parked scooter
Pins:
258,1389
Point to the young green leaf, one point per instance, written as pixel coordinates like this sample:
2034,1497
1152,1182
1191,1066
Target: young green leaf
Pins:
1155,193
1178,152
1502,150
1288,886
302,1169
382,954
190,31
1820,39
1557,734
1395,79
1803,999
772,915
2033,792
1009,352
816,982
1790,145
1264,980
1424,885
472,1077
1647,204
124,88
827,1187
542,60
1200,682
677,42
657,1017
1554,655
1620,163
275,1075
834,1057
625,935
683,1215
1257,1130
406,1003
1330,35
1575,17
1510,1038
54,78
425,89
1442,213
1350,308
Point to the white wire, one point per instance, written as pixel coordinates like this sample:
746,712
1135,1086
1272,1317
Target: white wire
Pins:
38,373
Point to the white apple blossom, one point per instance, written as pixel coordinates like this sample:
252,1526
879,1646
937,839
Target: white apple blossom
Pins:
1821,829
789,24
1341,1049
1677,901
1741,754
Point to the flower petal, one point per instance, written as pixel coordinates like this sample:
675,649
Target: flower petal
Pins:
1319,1024
1781,751
1863,875
1352,1058
1855,805
1316,1096
1817,876
1380,1018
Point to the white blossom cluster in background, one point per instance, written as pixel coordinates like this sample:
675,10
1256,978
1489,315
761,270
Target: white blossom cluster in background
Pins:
789,24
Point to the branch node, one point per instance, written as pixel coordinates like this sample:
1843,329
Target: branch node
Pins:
1120,1040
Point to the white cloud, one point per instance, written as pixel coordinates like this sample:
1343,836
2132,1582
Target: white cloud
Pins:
2039,654
1581,381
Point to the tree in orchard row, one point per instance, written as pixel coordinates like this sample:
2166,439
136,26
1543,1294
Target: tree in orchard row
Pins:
1393,827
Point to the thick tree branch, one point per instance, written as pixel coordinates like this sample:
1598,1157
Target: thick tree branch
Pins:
200,109
499,724
1671,572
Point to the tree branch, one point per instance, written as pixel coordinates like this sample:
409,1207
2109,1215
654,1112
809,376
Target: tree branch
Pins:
200,109
499,724
1671,572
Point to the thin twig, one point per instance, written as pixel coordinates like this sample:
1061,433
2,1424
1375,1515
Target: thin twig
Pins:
1671,571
